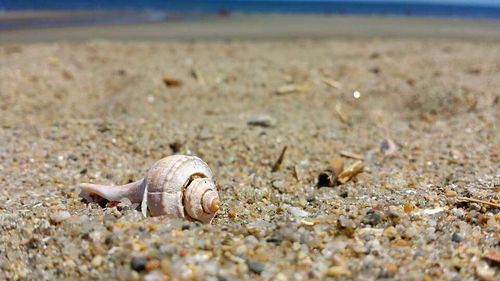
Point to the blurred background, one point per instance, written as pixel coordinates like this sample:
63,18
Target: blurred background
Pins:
44,13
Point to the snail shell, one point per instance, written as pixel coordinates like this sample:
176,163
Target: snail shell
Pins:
177,186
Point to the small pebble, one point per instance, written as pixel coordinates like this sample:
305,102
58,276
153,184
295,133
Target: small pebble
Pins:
408,207
124,203
153,276
231,214
276,238
432,211
450,193
391,268
138,263
346,222
261,120
390,232
223,278
337,271
60,216
298,212
152,264
388,147
457,237
97,261
108,220
255,266
459,213
372,218
279,185
484,271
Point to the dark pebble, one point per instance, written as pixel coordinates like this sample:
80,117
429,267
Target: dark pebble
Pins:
375,70
32,244
385,274
372,218
85,236
108,220
275,238
175,146
186,226
311,199
327,178
223,278
255,266
138,263
343,194
111,239
457,237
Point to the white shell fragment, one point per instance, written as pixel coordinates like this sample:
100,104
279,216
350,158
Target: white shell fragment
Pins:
177,186
297,212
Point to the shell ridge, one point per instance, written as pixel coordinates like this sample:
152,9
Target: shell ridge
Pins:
201,199
158,171
165,175
171,171
195,161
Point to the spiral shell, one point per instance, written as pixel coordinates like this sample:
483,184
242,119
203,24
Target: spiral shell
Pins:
177,186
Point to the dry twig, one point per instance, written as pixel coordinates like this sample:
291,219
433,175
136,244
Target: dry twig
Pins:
293,88
343,117
352,155
332,83
196,74
278,162
350,172
297,173
479,201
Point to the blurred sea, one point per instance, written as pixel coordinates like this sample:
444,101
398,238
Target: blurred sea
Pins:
137,11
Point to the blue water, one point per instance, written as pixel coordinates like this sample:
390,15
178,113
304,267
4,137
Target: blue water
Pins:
161,10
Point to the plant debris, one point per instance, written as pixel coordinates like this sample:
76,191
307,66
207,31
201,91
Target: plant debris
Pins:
297,173
293,88
278,162
196,74
337,165
492,204
332,83
352,155
351,172
340,112
172,82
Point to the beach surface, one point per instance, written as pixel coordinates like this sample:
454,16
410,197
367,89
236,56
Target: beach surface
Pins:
243,27
419,107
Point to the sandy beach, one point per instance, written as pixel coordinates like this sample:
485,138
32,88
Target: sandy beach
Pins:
257,27
415,100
